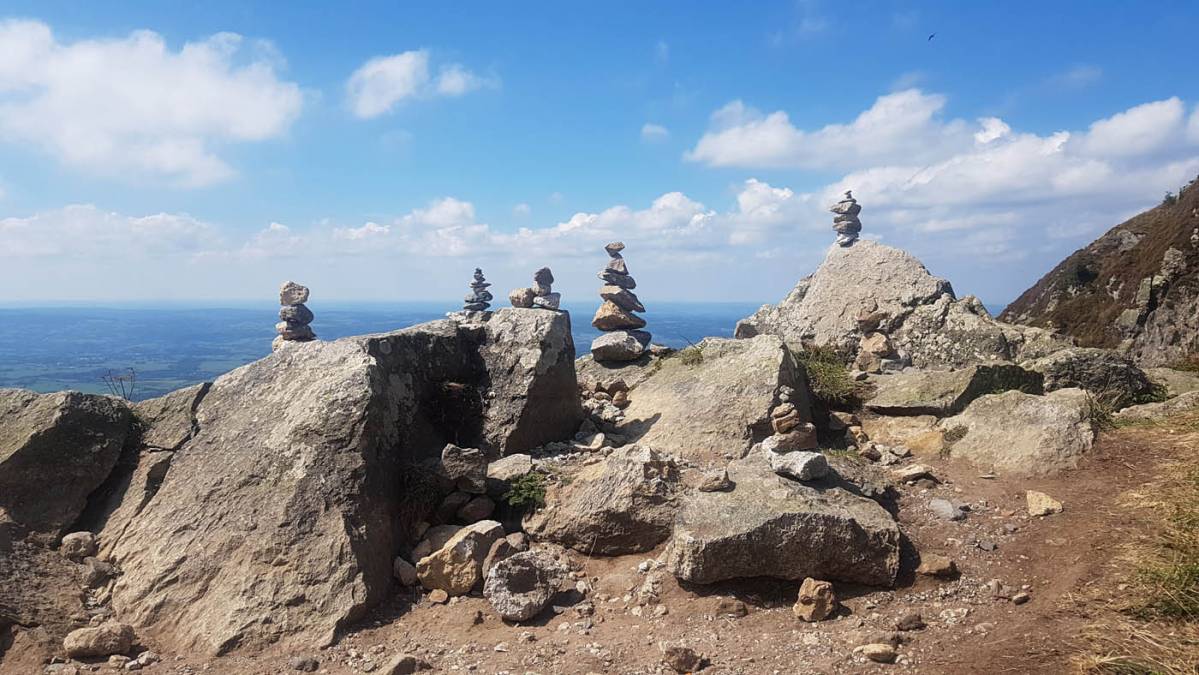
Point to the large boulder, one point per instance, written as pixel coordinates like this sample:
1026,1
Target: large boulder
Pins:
1149,412
1110,376
770,526
714,399
1024,434
946,392
457,566
623,504
55,449
917,311
279,518
1175,382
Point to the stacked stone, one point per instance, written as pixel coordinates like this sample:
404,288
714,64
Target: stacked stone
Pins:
845,220
294,315
621,341
791,449
540,294
479,298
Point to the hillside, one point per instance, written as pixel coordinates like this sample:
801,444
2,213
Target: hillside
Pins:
1134,288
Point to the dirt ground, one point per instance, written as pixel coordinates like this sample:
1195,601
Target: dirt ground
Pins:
1067,563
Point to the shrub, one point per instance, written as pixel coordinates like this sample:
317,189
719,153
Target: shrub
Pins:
527,491
691,356
828,376
1170,199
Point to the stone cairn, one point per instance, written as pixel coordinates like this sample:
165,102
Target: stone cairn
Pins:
294,316
479,298
792,449
540,294
876,354
622,340
845,220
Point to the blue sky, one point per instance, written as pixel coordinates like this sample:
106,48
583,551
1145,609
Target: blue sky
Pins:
208,151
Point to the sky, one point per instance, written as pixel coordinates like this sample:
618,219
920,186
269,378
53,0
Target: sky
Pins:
208,151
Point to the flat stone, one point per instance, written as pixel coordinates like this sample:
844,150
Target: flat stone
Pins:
947,392
614,248
503,471
610,317
548,301
1041,504
799,465
620,345
622,298
621,280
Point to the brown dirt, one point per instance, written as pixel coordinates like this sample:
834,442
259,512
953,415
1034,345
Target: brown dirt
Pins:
1069,562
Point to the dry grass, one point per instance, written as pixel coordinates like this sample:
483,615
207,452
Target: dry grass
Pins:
1154,625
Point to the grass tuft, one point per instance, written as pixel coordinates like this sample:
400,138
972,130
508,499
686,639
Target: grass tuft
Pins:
828,376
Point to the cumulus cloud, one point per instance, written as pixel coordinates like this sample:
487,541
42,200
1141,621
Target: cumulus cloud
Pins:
84,231
654,133
133,107
383,82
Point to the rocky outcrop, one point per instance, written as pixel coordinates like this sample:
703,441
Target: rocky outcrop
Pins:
55,449
946,392
769,526
919,314
623,504
277,519
1175,382
1114,378
1024,434
1149,412
1135,288
714,401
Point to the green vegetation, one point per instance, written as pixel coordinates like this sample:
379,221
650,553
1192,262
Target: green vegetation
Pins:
691,356
527,491
1100,412
1170,199
954,435
828,376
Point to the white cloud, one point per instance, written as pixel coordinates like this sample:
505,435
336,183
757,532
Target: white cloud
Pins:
1140,130
383,82
133,107
369,230
905,125
83,231
1078,77
654,133
521,210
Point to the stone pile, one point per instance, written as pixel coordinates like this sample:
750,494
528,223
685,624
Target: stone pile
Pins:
845,220
540,294
294,316
622,340
875,351
790,449
479,298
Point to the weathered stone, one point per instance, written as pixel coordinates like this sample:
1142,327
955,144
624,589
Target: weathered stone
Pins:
1147,412
304,664
500,550
716,480
291,293
945,509
622,298
404,572
1024,434
879,652
620,345
503,471
522,585
719,406
298,332
945,392
624,504
802,437
97,641
918,433
405,664
55,450
548,301
1110,376
480,507
543,277
1176,382
466,468
169,421
682,659
1041,504
521,297
799,465
298,314
611,317
770,526
457,567
619,280
816,601
77,545
934,565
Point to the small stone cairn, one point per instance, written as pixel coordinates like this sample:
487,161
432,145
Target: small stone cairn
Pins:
791,450
540,294
479,298
845,220
876,354
294,316
622,340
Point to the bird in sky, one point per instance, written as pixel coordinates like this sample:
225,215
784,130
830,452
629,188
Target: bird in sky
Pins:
931,36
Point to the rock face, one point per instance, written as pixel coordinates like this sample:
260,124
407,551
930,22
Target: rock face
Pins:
945,392
718,402
1023,434
1109,375
771,526
1135,288
919,313
520,586
624,504
277,520
55,449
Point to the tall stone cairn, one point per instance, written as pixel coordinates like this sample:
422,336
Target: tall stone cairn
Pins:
622,340
294,316
479,298
845,219
540,295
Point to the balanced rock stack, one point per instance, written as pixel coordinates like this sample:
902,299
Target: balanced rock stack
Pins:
294,315
540,294
621,341
479,298
845,220
791,449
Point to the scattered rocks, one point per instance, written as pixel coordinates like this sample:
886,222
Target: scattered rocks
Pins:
294,315
457,567
522,585
108,638
1041,504
479,298
817,601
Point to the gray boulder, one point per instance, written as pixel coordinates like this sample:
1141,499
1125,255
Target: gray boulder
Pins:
620,345
465,468
774,527
623,504
1110,376
106,639
717,400
55,450
1149,412
1024,434
1176,382
946,392
520,586
801,465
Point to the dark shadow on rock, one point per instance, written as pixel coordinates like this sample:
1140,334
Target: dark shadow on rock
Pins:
909,560
635,430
